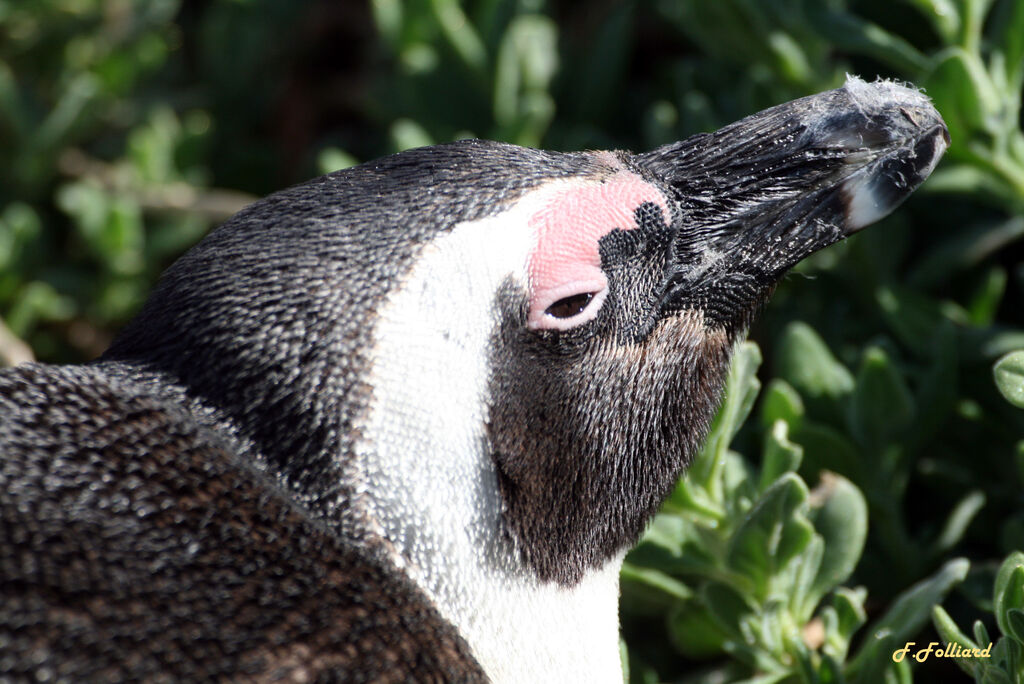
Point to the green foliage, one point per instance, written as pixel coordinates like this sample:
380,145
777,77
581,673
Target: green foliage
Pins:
751,565
496,64
85,238
1005,663
887,450
1009,375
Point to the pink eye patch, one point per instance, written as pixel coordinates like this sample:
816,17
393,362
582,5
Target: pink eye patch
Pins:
567,285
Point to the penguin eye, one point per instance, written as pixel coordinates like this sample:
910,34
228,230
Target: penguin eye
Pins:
570,306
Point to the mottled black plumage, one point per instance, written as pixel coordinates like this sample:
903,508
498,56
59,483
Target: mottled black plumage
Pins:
136,545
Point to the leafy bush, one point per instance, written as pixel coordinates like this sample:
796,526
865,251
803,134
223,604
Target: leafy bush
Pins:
891,468
1005,662
739,561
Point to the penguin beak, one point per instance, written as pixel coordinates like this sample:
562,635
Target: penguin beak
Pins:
759,195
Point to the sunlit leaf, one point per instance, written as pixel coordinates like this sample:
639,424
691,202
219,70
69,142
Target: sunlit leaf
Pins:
1009,590
1009,377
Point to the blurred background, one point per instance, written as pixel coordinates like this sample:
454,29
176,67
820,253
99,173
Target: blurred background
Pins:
868,464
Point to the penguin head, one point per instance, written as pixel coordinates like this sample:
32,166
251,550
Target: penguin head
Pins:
611,346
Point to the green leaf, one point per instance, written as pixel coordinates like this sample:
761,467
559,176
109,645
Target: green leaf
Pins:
780,455
1018,458
900,674
874,659
829,671
962,90
773,532
853,34
967,248
1009,377
882,405
1015,622
739,487
781,402
1011,42
407,134
89,206
828,449
989,344
727,606
694,632
911,608
770,625
968,178
908,613
840,515
624,659
981,635
806,363
741,388
1009,590
152,146
460,33
121,240
790,58
986,299
691,498
937,390
973,18
958,521
1010,653
944,17
387,15
779,677
19,226
843,618
1000,667
648,591
71,106
951,634
332,159
797,583
37,301
527,61
668,532
911,316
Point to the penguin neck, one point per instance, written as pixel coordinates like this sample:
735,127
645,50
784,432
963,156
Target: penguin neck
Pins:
440,516
429,487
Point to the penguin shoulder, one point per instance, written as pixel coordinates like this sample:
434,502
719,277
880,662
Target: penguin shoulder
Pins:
135,544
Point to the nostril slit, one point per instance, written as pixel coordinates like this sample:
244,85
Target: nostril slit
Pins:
858,157
909,117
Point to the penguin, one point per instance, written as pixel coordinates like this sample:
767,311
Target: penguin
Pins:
403,421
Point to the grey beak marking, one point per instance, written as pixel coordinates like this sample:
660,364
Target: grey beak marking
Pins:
909,137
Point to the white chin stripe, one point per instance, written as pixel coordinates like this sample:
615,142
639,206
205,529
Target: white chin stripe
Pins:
429,483
863,207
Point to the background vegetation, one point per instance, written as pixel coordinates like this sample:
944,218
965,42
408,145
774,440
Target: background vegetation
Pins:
868,464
